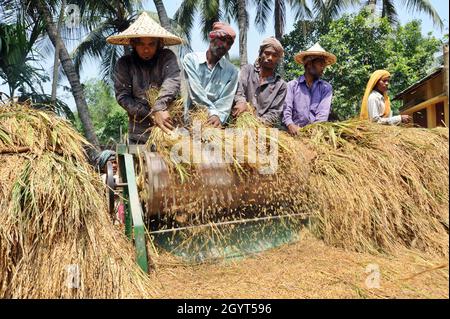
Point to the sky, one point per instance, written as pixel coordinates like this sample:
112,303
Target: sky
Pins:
91,68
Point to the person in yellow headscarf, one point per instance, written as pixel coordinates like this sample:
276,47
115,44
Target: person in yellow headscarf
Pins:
376,105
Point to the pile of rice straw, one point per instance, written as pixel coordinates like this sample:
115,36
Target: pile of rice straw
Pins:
54,223
305,269
375,188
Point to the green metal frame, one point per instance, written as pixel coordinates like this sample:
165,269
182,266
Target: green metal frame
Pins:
134,224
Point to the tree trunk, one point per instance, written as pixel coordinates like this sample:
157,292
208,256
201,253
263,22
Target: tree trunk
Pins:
56,60
278,15
120,17
243,27
72,76
279,28
162,14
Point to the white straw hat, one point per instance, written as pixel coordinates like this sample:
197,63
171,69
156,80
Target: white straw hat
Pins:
144,26
316,50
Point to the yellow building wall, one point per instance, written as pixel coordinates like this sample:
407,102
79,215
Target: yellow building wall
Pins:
432,92
430,105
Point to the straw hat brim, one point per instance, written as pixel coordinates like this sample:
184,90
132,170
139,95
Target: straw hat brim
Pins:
125,39
330,58
144,27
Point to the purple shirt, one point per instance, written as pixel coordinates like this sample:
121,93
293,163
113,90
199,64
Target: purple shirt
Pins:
303,105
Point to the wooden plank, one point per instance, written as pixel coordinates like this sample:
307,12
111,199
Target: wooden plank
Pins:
423,105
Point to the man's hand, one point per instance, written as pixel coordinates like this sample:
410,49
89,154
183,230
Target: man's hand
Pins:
214,121
239,108
406,119
162,120
293,129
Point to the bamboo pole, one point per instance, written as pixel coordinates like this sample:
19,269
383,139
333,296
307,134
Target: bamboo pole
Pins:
446,71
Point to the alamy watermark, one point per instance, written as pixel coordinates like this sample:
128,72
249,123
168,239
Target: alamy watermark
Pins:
374,277
73,276
72,16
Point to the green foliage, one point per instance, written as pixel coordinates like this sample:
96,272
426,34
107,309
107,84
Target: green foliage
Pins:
108,118
363,45
18,57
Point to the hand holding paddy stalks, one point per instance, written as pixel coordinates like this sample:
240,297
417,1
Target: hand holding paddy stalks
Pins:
214,121
163,120
240,108
293,129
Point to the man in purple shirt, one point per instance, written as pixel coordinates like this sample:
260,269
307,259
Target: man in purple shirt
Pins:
308,98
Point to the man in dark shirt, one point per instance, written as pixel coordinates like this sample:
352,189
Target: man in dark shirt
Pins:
260,86
150,65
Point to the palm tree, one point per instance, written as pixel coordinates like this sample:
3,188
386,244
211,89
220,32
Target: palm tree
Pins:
39,10
242,18
107,20
162,14
114,20
212,11
56,57
389,9
69,69
17,54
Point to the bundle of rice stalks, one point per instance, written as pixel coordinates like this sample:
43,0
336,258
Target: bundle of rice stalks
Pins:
163,143
386,189
56,237
176,108
23,130
339,133
372,188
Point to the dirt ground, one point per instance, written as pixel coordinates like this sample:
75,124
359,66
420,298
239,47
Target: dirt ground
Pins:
305,269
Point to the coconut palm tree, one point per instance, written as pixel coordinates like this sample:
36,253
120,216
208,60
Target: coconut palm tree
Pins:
108,20
389,9
44,11
39,10
94,45
326,10
212,11
18,54
162,14
18,66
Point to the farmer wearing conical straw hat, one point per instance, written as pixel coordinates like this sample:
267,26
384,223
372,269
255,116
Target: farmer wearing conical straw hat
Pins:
211,78
149,65
376,105
260,86
308,98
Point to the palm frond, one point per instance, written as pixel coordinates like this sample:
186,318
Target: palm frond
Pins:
426,7
263,10
210,13
302,10
93,45
390,12
185,15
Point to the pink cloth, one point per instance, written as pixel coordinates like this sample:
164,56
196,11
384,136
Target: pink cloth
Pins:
225,28
121,212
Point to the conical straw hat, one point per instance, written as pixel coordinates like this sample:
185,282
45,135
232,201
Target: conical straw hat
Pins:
316,50
144,26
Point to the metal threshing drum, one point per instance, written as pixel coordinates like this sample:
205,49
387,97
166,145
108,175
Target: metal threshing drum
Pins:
213,185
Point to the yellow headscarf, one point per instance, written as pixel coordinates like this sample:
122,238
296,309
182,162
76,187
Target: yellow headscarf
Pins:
374,78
